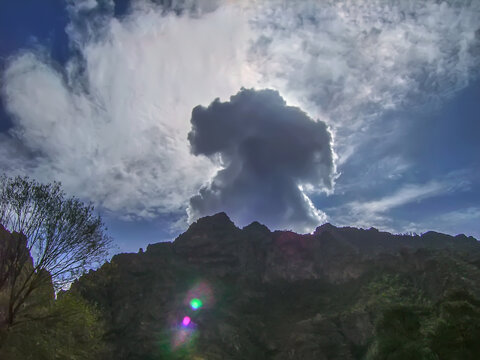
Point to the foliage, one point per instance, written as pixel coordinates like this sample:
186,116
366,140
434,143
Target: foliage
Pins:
71,329
449,329
62,238
63,234
398,335
386,289
456,331
24,294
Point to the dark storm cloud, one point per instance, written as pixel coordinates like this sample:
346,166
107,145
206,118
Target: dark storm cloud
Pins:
268,151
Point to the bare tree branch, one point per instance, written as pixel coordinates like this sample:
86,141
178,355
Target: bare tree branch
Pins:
63,236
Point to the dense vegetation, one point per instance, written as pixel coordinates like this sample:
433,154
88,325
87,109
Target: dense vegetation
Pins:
448,329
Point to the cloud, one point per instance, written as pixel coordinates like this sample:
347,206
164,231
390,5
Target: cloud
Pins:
463,221
112,126
459,221
376,212
348,62
268,152
407,194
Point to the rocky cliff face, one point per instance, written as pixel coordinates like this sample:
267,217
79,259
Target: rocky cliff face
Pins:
270,295
16,278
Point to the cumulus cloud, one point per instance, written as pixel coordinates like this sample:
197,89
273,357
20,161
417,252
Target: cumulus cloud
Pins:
268,152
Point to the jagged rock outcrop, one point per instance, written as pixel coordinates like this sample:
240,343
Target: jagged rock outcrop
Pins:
270,295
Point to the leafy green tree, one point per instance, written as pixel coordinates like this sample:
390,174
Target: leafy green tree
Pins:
448,330
63,236
456,331
398,336
69,329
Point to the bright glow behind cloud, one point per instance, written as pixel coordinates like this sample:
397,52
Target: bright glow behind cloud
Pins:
350,61
118,134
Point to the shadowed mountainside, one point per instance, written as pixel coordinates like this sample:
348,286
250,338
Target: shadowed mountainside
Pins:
281,295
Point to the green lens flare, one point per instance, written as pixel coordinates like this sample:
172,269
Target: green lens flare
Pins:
196,304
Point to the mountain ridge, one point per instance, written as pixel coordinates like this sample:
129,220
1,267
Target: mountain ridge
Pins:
272,295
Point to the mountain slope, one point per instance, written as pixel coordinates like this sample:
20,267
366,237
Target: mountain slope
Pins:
276,295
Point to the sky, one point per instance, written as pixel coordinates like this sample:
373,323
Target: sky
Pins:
291,113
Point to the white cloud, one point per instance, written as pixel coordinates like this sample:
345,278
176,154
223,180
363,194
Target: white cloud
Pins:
117,134
83,5
405,195
350,61
376,212
462,215
459,221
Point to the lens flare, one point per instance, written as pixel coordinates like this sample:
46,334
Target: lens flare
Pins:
200,295
186,321
196,303
181,338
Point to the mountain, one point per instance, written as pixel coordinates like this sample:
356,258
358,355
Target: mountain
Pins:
339,293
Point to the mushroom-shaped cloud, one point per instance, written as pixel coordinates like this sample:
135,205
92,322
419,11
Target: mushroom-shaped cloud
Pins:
268,153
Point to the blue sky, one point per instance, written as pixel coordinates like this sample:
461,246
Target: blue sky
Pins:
99,95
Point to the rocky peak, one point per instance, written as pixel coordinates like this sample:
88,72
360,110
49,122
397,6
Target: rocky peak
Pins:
256,227
323,228
213,240
210,230
217,222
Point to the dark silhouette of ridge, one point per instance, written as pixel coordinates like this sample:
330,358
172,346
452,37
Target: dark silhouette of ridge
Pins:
273,293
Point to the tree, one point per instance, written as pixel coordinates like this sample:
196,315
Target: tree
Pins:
449,329
455,332
62,235
399,336
71,328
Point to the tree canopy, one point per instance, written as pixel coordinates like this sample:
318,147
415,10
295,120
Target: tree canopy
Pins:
62,238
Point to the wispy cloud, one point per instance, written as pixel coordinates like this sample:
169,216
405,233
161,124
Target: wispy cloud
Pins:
350,61
459,221
112,126
407,194
377,211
